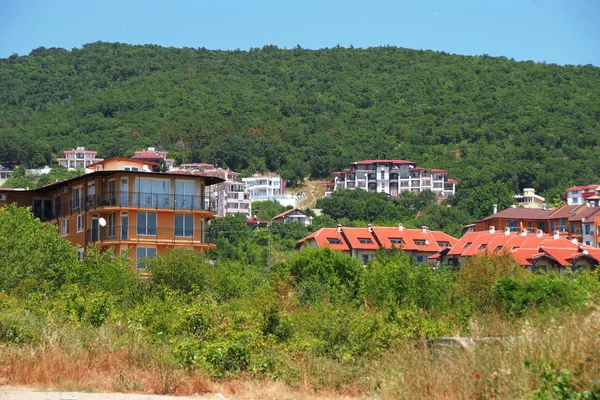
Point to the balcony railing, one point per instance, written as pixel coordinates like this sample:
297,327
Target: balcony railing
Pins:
145,234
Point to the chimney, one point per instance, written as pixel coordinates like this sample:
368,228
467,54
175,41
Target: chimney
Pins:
544,207
539,233
400,227
495,209
492,229
507,231
574,241
370,228
523,232
339,228
424,229
556,235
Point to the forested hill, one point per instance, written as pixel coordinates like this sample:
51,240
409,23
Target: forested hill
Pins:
304,112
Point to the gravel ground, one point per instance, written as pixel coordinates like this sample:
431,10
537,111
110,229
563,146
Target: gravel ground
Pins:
17,393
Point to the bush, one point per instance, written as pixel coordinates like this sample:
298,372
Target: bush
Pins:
179,270
333,272
518,295
31,250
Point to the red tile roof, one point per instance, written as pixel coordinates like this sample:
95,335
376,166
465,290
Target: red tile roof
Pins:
524,248
366,162
582,187
148,154
564,211
321,236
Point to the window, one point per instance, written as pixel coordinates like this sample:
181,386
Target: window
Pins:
153,192
143,253
131,169
420,259
467,245
365,241
588,229
444,244
334,241
419,242
397,241
482,247
552,226
112,224
80,254
64,227
497,249
184,225
184,194
80,227
112,192
76,198
365,258
146,223
382,175
542,226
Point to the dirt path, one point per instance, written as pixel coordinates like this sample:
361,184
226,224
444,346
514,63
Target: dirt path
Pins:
315,191
19,393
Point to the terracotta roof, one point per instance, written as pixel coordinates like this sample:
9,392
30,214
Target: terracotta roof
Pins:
582,187
519,213
449,180
148,154
409,236
366,162
523,248
321,236
443,171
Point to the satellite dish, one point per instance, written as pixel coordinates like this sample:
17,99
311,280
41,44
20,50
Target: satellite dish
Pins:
102,222
145,168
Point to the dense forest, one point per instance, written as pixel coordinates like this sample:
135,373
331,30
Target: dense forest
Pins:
308,112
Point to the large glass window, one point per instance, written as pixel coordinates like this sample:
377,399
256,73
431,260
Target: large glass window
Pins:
146,223
184,194
143,253
184,225
153,192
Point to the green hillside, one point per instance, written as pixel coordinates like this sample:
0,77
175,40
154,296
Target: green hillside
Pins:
302,112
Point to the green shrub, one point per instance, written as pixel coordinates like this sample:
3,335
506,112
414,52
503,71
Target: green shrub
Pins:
31,250
227,359
333,272
179,270
518,295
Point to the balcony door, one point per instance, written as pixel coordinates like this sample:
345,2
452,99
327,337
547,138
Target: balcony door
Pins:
95,234
185,194
124,191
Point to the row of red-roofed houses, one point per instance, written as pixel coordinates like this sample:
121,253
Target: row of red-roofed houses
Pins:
362,243
534,251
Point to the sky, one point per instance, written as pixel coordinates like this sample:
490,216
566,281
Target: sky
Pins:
551,31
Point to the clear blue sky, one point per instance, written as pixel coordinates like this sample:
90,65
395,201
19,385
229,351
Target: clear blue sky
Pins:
554,31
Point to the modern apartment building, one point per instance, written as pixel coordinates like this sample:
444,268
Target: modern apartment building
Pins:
391,177
122,204
362,243
231,197
79,157
580,194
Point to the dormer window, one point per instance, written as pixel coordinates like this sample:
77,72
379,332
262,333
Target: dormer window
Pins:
397,241
467,245
334,241
365,241
497,249
444,244
482,247
420,242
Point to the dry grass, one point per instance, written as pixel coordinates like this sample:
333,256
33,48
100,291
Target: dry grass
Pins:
505,369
